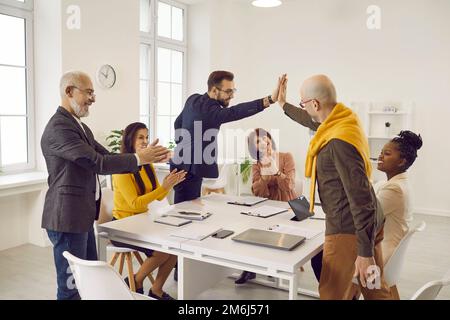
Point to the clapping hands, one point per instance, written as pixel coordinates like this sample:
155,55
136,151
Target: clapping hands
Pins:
269,166
154,153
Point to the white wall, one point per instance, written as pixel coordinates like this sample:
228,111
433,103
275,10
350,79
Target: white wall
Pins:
407,60
20,215
109,34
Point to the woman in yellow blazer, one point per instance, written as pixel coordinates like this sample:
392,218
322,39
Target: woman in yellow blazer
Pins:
132,195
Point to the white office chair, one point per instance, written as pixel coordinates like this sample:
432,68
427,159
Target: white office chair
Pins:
97,280
119,253
216,185
394,266
431,290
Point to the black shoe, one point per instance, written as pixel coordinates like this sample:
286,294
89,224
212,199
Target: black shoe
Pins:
245,276
165,296
138,290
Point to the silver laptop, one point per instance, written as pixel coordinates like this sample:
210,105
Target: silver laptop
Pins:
270,239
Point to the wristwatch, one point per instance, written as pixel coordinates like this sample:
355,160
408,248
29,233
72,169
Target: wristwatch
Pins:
270,99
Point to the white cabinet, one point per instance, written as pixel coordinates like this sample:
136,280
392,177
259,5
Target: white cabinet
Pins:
382,122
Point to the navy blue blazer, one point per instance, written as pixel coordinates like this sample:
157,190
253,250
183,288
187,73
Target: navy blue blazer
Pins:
201,115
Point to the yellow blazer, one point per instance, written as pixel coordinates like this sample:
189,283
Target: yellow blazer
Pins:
127,201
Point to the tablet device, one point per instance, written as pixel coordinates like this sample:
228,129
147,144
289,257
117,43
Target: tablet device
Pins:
300,206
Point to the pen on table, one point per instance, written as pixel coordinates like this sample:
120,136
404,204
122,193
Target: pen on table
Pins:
189,213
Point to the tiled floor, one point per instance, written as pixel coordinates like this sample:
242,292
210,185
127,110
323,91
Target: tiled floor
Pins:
27,272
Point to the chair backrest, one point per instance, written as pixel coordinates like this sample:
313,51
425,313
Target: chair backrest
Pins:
431,289
394,265
106,206
97,280
220,181
298,187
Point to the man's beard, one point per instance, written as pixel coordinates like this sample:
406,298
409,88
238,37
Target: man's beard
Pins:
224,103
77,109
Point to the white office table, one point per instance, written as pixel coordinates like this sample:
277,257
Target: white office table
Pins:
202,264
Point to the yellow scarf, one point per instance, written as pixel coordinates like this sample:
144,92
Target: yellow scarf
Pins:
341,124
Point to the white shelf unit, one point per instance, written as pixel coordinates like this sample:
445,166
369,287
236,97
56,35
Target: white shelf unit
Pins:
374,119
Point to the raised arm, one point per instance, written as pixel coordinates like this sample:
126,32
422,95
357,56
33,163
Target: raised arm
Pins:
297,114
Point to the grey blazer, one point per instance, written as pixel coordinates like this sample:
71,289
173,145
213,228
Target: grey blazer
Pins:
73,159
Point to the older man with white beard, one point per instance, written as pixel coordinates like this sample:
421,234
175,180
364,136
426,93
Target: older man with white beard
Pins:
74,159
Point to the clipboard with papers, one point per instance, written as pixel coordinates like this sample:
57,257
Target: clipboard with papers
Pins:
196,232
189,214
264,211
172,221
247,201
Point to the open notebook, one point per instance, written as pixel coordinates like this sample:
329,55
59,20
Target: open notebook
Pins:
264,211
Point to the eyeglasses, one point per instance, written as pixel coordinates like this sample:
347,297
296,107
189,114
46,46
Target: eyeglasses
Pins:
228,91
88,92
302,104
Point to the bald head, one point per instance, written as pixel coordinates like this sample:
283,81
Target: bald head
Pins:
321,88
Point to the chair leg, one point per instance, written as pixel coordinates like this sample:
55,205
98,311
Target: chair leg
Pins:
114,259
122,260
139,259
130,272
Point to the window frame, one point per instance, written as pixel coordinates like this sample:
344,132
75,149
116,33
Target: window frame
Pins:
154,41
23,11
27,5
169,40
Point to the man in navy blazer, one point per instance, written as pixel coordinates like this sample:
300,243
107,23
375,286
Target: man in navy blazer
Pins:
74,159
197,127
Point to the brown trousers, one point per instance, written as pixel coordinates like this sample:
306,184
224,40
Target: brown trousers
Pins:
338,267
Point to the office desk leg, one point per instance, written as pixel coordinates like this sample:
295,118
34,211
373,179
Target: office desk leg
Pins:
195,276
293,287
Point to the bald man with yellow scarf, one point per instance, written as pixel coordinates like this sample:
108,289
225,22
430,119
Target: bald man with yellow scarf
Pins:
338,162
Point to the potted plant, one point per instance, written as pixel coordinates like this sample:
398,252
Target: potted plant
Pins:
114,140
171,146
245,168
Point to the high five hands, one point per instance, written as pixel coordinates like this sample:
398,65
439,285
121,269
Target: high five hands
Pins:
283,89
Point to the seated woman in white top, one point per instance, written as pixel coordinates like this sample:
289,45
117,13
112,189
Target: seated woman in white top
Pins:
395,159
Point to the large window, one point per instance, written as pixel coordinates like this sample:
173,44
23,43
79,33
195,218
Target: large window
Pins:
16,99
163,65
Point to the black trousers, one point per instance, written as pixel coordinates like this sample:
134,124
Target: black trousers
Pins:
316,264
189,189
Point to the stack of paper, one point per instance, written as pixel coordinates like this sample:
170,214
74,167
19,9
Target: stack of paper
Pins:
307,233
196,231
